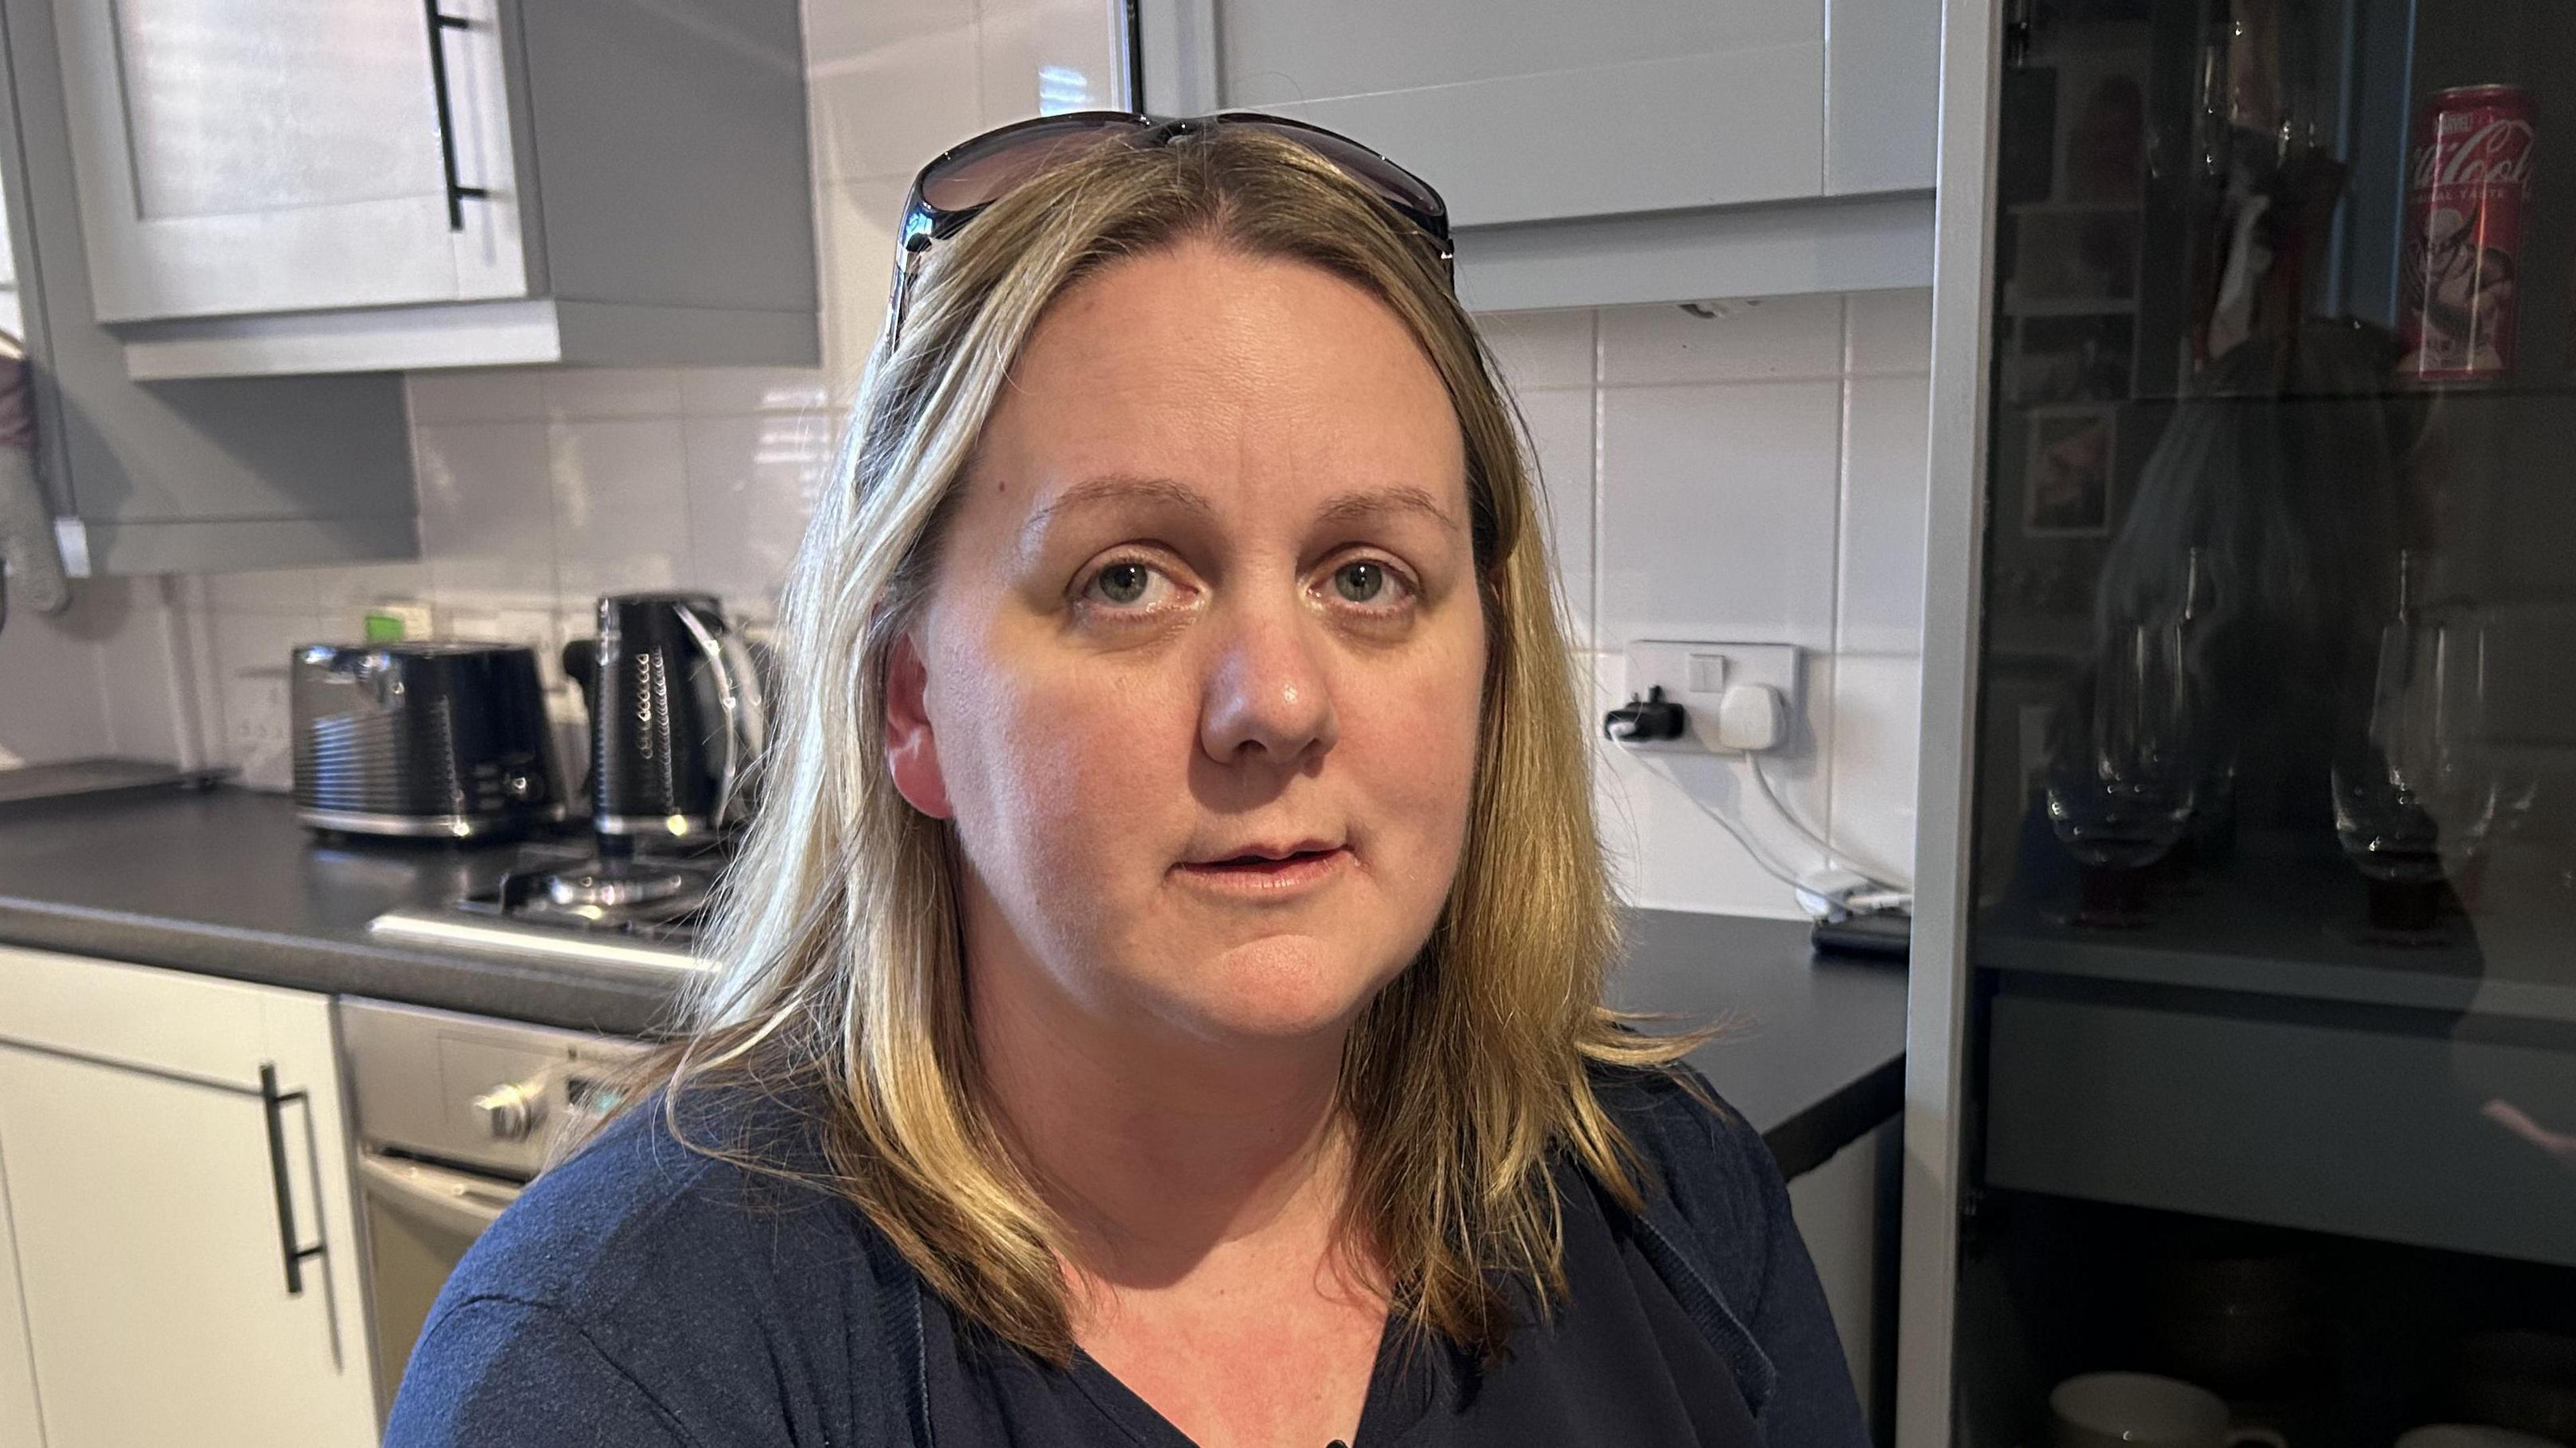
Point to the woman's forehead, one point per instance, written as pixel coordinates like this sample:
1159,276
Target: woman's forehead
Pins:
1197,375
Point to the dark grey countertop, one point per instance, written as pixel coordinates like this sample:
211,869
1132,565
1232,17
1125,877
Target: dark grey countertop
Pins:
1811,1048
224,882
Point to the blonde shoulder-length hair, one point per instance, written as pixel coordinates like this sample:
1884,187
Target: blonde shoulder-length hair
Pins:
840,977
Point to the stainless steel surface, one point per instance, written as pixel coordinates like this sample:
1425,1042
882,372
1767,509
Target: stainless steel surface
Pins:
511,1112
453,1114
418,1077
676,826
602,885
448,930
456,827
462,1203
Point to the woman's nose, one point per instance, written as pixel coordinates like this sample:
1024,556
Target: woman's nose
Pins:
1267,696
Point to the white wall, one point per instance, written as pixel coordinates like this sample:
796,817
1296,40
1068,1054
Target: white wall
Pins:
95,679
1752,476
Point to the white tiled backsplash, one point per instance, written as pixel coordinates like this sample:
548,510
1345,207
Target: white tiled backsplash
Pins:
1753,475
1746,472
1739,471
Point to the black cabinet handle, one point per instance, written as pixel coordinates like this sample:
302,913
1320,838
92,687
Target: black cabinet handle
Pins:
440,22
272,1104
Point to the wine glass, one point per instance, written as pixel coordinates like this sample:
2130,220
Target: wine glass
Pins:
2121,776
2418,795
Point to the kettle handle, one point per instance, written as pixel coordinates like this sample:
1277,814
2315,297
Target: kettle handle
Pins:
737,692
750,715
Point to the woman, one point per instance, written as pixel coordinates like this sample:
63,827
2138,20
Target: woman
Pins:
1160,1000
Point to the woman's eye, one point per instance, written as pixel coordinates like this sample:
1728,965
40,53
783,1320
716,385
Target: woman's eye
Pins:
1130,584
1124,582
1368,582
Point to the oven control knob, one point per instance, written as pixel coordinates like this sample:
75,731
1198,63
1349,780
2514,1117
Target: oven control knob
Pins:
511,1112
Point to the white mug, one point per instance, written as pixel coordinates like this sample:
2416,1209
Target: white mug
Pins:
2469,1435
2141,1410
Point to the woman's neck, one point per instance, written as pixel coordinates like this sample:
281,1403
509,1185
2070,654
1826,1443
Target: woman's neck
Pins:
1162,1154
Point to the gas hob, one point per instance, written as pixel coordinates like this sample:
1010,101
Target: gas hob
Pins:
570,904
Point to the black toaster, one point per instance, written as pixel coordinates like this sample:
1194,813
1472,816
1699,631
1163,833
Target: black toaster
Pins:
434,739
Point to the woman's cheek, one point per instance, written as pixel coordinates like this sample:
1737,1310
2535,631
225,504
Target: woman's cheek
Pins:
1088,764
1416,751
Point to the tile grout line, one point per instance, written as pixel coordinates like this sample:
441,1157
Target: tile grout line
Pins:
1595,497
1832,761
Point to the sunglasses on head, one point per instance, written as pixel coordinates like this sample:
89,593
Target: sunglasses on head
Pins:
953,189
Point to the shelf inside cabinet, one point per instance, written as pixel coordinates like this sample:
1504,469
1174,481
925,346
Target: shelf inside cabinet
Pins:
2287,921
2371,1130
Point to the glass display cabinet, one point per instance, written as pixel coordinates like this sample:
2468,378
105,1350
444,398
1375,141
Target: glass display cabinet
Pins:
2242,1071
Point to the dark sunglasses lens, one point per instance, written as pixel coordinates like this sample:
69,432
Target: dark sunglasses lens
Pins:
982,172
1391,182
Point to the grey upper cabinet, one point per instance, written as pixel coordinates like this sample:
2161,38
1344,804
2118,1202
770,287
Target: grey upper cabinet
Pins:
1541,112
1882,95
1615,151
285,186
199,475
286,155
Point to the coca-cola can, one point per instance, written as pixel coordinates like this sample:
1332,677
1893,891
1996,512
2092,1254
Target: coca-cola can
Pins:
2468,179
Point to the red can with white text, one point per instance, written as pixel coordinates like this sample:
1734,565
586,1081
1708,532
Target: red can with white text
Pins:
2468,179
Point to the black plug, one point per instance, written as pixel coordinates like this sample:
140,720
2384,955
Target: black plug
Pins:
1640,721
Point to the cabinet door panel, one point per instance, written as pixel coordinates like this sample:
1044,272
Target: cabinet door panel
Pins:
1536,113
1882,95
153,1269
134,1147
278,155
1322,49
288,104
19,1423
1659,135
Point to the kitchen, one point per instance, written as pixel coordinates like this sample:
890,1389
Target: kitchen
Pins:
603,401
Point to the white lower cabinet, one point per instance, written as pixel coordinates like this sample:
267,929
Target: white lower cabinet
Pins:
175,1184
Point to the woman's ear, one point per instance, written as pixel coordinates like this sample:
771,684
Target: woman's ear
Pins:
912,755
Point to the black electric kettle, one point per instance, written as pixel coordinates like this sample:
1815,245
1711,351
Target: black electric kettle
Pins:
677,715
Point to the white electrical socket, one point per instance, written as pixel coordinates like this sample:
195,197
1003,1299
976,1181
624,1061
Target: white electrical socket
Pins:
1695,675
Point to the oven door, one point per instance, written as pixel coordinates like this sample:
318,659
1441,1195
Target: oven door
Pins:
420,1219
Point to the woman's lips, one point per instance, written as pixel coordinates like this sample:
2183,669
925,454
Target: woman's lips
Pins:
1266,878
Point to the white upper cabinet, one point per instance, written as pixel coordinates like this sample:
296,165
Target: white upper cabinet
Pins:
1613,151
294,186
285,155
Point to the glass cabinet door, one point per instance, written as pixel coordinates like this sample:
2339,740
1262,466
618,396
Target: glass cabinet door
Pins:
2267,1112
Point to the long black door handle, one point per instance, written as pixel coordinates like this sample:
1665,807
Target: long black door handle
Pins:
440,22
272,1103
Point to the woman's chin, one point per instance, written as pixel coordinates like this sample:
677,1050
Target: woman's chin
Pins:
1279,989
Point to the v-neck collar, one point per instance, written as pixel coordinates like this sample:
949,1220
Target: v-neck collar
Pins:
1385,1410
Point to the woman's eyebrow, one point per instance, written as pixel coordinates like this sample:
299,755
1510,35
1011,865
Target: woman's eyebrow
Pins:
1114,488
1131,489
1377,502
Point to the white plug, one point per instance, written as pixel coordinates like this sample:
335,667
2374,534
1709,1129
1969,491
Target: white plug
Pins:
1736,698
1751,718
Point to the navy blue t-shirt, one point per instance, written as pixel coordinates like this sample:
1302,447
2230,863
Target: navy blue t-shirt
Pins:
646,1293
1617,1364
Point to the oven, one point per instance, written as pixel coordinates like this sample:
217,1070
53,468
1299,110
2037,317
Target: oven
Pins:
453,1115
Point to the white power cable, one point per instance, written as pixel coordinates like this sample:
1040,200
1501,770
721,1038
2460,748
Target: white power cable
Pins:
1761,857
1762,781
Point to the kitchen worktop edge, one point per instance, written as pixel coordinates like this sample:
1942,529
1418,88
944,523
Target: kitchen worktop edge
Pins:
224,882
